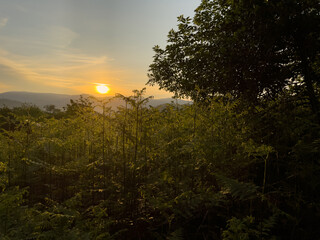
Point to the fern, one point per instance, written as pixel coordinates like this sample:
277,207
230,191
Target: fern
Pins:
269,223
239,190
176,235
240,229
248,228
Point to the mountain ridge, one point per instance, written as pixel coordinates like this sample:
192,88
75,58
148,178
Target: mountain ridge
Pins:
14,98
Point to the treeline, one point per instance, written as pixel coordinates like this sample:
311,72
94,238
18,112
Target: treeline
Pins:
219,169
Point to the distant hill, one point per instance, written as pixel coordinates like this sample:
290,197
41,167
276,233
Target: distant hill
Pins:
9,103
15,99
39,99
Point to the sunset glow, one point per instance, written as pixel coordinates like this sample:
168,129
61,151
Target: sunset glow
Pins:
102,89
61,46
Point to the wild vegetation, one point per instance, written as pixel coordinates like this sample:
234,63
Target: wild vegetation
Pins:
241,162
214,170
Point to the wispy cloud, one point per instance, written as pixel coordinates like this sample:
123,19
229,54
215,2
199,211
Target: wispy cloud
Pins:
4,86
20,7
3,22
51,61
61,70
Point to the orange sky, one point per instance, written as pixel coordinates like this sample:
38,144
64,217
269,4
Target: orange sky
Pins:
68,46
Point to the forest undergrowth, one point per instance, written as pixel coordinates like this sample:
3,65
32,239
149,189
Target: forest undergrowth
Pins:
221,169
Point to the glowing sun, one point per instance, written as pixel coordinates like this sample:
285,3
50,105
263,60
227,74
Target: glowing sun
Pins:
102,88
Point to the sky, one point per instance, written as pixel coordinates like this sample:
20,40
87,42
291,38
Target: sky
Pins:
67,46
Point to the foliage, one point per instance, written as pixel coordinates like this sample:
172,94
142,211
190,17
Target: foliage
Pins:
218,168
246,48
213,171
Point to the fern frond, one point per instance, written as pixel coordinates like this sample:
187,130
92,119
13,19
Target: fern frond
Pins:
238,190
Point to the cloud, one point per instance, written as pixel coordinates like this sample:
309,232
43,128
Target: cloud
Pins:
50,61
57,36
47,59
3,86
57,67
3,22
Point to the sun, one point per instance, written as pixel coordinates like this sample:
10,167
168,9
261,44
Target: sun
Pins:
102,88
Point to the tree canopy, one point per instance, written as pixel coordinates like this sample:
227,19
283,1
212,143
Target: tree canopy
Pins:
198,171
249,48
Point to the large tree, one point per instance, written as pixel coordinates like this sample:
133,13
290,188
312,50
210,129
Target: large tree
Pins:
249,48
